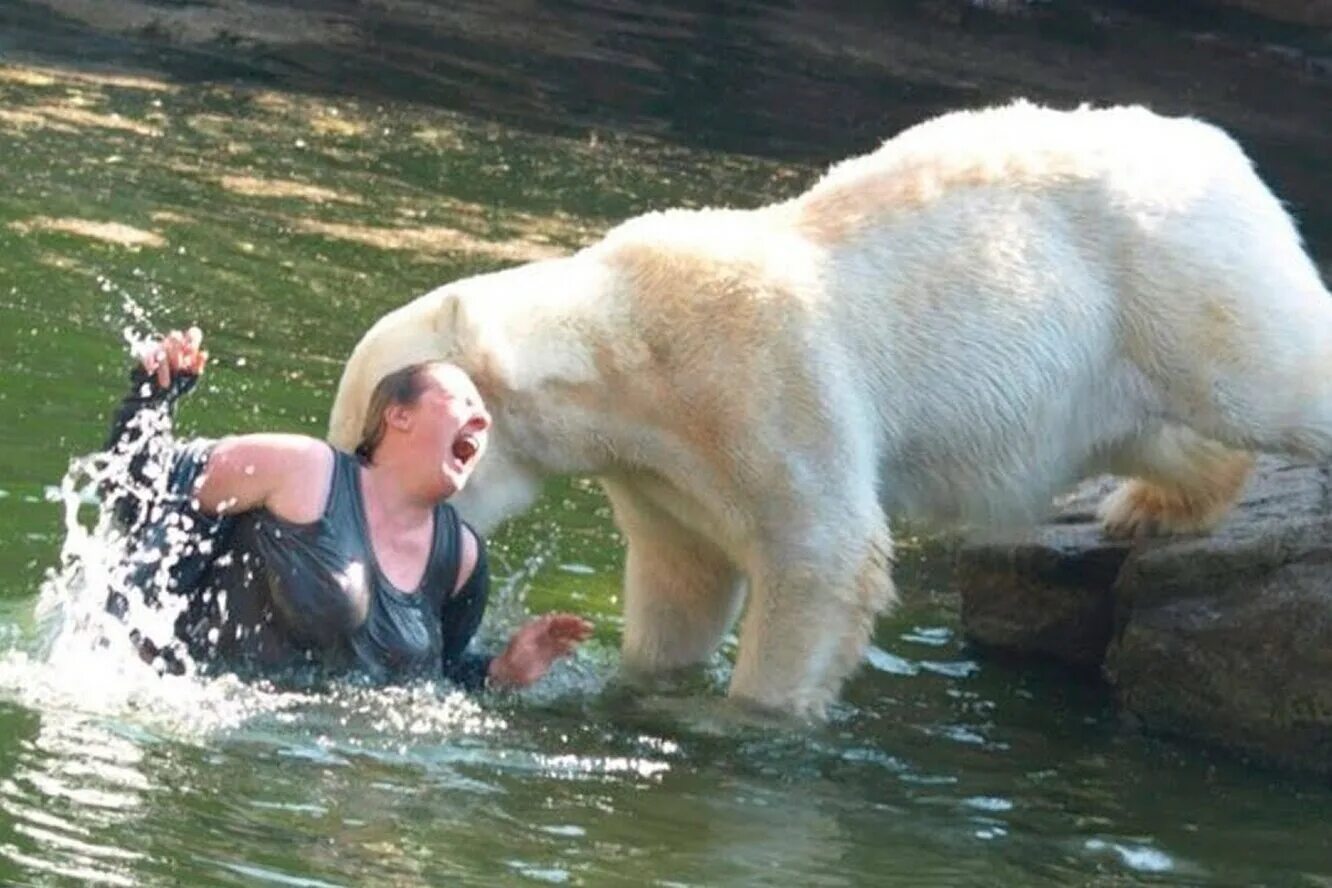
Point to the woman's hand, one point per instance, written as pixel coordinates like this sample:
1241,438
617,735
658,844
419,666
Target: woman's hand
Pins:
173,354
535,646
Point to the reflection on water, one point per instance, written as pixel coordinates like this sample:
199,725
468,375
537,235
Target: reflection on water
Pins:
284,224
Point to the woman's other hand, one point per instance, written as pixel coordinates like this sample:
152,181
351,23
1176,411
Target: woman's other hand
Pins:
535,646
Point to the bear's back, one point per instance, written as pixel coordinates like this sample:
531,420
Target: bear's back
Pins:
1130,153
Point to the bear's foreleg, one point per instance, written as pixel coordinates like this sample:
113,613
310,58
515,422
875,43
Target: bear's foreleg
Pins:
809,620
681,593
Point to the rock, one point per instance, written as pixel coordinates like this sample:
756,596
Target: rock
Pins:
1315,13
1225,638
1051,596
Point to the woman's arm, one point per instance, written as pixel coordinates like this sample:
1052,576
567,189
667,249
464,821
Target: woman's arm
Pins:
531,652
462,612
170,544
535,647
129,423
166,371
284,473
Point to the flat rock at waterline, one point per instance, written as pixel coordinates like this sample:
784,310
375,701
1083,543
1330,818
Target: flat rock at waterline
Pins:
1225,638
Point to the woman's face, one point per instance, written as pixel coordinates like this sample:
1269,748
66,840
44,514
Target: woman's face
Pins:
449,424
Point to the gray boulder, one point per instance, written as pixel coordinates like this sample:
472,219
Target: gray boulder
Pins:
1225,638
1316,13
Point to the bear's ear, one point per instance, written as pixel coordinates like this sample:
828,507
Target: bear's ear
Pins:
463,324
449,316
451,326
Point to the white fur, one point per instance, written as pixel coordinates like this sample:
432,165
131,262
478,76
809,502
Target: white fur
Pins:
955,327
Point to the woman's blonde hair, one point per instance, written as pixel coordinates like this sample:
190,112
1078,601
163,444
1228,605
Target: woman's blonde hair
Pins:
403,387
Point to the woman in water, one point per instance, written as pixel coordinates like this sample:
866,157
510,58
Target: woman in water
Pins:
292,552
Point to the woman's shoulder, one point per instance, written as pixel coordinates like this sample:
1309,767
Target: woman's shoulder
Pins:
279,453
305,467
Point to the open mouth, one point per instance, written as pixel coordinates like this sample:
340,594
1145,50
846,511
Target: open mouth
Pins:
466,447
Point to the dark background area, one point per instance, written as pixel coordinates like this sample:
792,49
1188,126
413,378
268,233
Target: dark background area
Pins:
812,82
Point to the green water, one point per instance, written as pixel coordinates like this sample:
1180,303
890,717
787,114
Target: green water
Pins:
283,225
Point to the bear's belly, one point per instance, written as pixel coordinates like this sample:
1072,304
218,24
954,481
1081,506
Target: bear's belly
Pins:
998,468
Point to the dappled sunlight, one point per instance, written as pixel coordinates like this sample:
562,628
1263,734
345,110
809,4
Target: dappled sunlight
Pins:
253,186
441,139
315,116
108,232
404,184
71,110
24,118
429,240
170,217
334,124
26,76
221,126
82,117
63,263
50,75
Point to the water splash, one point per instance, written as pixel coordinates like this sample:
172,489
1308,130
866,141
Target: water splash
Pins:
83,658
111,588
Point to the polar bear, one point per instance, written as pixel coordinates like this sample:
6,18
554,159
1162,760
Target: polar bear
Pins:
991,306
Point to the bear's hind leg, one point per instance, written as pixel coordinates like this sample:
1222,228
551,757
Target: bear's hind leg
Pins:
1180,482
807,624
1235,340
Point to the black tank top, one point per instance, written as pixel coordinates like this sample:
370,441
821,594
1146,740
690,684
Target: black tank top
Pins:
315,592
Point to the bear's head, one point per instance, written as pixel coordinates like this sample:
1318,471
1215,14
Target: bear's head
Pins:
503,329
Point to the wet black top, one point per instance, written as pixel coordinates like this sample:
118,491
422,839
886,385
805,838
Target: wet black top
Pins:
323,589
268,592
320,587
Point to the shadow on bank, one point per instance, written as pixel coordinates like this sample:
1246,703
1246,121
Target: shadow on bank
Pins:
796,81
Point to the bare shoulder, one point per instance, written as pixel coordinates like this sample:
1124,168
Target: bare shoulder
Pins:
276,455
288,474
471,553
306,475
